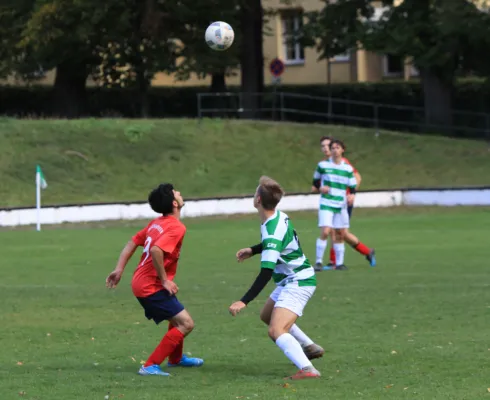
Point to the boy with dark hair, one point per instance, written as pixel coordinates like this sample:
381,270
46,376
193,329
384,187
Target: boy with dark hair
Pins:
153,283
282,260
349,237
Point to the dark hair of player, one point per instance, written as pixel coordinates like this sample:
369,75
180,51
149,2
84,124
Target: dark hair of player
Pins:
270,192
339,142
161,199
326,138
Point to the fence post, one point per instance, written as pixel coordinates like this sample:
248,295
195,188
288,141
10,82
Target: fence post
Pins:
282,105
199,113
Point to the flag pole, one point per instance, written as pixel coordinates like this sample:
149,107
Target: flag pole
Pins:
38,198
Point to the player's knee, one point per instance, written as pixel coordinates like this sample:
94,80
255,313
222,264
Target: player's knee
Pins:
185,325
340,235
324,232
275,331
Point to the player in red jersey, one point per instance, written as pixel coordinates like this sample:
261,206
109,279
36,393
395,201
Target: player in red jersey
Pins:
350,238
153,280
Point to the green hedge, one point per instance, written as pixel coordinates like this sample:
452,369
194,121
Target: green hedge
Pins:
471,96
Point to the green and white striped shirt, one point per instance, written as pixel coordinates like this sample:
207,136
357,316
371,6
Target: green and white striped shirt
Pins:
282,252
338,177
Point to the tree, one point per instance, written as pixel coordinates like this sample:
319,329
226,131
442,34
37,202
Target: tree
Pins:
252,55
434,34
195,56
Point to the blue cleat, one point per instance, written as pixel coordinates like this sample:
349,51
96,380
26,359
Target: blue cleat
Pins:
328,267
152,370
371,258
188,362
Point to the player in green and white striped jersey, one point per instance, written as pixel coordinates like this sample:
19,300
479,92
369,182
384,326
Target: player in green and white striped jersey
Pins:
282,260
333,177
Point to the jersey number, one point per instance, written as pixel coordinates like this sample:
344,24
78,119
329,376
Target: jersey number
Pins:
146,250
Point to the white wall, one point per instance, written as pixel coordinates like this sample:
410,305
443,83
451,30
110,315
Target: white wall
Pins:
199,208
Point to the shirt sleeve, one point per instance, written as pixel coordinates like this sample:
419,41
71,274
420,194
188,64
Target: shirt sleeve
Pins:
169,239
318,173
140,237
352,181
271,250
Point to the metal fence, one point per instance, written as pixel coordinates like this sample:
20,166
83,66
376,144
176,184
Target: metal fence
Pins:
281,106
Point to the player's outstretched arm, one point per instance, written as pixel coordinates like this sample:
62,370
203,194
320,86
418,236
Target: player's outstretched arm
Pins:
248,252
259,284
115,276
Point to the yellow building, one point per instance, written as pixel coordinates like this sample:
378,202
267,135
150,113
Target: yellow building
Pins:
302,65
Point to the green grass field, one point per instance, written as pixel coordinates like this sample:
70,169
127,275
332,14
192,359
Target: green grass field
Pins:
414,327
118,160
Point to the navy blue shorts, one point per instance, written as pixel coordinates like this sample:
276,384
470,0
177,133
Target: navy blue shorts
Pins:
349,211
161,306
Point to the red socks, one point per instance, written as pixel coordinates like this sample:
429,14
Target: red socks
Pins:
170,343
333,260
362,248
176,356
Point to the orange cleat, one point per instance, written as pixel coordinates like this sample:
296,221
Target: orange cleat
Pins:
302,374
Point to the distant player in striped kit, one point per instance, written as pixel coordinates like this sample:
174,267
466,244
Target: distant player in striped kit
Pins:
338,235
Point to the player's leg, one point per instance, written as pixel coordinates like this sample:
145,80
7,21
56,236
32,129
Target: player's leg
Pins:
360,247
184,323
310,348
288,308
340,224
324,223
159,307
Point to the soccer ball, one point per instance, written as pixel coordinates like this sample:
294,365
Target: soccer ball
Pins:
219,36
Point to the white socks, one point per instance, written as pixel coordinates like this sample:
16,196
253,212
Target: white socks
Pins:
321,245
292,349
300,336
339,249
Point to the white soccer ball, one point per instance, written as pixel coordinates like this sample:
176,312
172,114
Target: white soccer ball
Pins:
219,36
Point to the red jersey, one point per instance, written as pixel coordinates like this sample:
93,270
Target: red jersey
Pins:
167,233
355,170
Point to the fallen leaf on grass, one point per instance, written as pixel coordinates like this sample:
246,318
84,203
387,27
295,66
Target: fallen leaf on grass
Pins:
93,338
394,326
20,363
142,362
389,386
393,352
243,340
286,385
48,334
488,390
22,393
405,388
132,358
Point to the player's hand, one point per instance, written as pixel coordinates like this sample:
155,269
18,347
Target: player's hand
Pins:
113,279
324,189
236,307
243,254
350,199
170,287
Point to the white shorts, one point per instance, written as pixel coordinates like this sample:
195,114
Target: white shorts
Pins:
292,297
333,220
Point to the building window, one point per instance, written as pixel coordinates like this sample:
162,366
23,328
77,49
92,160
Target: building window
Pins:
343,57
393,65
294,52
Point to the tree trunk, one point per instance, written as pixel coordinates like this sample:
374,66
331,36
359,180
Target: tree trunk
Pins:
69,90
143,88
437,101
218,83
251,58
